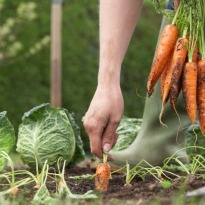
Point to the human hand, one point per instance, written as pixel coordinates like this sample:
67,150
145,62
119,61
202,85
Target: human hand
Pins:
103,117
176,4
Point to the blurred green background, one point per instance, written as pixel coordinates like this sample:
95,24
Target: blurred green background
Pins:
25,57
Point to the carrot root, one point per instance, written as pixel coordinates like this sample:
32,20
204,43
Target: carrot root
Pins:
201,94
14,191
102,176
189,87
163,51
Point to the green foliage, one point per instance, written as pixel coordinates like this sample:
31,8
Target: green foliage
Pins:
195,139
166,184
25,81
127,130
46,134
7,138
10,45
42,196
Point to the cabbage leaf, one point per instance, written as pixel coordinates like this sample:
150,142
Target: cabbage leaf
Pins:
48,133
127,131
7,138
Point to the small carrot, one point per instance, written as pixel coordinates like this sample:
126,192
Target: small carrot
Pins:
14,191
201,94
102,176
60,184
165,46
37,186
180,54
189,87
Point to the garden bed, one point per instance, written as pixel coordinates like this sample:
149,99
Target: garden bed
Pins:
139,191
147,191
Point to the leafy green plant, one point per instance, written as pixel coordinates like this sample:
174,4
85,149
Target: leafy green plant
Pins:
9,43
195,165
10,177
144,169
83,176
7,138
195,139
127,132
46,134
42,195
63,190
166,184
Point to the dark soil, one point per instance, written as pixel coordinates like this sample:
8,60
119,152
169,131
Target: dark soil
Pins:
144,192
139,192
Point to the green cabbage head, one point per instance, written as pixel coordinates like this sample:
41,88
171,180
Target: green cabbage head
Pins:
48,133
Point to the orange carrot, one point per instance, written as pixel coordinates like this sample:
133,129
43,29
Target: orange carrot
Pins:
167,81
201,94
178,90
173,65
60,184
102,176
165,86
163,78
195,56
163,51
14,191
37,186
180,54
189,87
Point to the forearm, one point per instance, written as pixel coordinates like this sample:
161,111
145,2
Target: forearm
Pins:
118,19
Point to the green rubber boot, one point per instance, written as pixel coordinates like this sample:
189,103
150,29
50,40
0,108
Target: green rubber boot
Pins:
155,142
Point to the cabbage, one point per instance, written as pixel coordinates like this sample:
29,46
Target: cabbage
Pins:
127,130
47,134
7,138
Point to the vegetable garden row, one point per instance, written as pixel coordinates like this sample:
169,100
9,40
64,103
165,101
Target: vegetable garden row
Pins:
49,139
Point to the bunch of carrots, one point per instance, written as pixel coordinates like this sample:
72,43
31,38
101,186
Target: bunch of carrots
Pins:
179,61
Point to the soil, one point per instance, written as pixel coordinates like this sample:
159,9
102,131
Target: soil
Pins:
143,192
139,191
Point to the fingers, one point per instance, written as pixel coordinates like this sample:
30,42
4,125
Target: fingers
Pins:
115,137
110,136
94,132
102,119
101,140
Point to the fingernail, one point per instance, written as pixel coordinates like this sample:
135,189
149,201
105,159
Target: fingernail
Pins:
106,148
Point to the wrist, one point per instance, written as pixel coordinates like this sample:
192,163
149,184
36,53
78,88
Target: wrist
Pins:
109,75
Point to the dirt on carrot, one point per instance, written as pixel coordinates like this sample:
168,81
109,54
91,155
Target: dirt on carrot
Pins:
102,176
189,87
201,94
179,57
164,49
